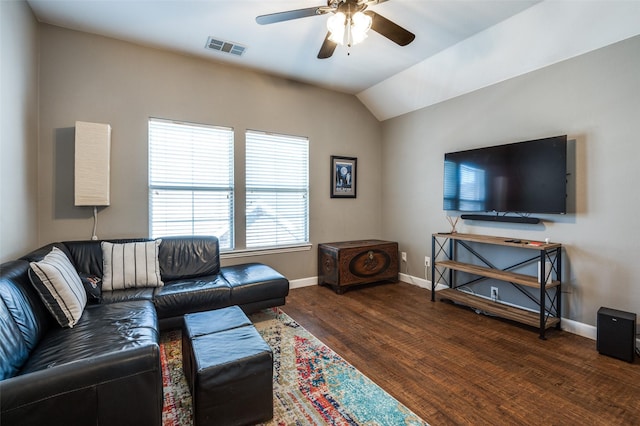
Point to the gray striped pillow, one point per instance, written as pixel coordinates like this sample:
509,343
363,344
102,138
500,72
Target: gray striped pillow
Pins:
59,285
130,265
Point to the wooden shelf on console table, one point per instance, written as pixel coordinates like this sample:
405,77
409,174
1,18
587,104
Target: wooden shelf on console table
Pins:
499,309
500,241
526,280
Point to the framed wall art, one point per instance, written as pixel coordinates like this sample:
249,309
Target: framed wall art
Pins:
343,177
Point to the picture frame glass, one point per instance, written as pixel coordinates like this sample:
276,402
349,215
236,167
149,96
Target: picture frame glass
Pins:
343,177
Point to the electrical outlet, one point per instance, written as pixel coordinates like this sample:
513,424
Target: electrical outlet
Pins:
494,293
404,256
427,261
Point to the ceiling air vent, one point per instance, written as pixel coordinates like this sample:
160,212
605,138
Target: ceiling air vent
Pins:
225,46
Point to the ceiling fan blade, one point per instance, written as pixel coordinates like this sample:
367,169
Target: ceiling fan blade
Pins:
327,48
289,15
390,30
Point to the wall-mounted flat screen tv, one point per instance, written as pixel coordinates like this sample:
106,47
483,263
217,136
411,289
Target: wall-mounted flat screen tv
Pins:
522,177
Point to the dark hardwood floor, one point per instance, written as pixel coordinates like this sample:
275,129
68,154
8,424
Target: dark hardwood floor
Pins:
450,365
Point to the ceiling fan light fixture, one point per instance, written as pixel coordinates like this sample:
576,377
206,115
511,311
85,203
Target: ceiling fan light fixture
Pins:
360,25
348,29
336,25
348,23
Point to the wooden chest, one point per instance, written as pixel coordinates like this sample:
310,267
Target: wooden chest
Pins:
347,263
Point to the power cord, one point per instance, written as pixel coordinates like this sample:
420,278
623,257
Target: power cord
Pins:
95,223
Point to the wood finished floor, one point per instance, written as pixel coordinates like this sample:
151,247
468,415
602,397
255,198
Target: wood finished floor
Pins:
450,365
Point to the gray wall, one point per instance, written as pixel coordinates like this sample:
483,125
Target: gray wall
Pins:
595,99
90,78
18,129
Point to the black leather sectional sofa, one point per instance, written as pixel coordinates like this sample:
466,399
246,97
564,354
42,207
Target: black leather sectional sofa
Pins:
105,370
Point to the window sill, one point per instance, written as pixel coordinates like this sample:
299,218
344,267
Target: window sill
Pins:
264,251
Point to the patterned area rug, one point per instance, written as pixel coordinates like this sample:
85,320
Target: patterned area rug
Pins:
312,384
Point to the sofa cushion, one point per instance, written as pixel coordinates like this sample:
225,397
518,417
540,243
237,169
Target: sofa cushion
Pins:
23,302
189,257
254,282
179,297
56,280
87,254
130,265
39,254
103,329
115,296
13,350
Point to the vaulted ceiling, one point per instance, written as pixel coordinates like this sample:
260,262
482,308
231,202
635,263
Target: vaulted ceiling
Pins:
450,35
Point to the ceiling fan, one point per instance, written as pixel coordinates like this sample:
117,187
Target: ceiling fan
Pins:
348,24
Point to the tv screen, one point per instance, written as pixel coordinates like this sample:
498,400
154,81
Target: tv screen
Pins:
522,177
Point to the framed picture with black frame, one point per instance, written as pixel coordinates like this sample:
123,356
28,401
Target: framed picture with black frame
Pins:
343,176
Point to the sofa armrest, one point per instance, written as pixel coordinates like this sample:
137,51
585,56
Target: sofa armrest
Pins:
122,387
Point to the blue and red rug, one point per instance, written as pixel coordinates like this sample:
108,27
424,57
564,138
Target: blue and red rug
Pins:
312,384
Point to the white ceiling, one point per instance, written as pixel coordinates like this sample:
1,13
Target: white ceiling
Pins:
286,48
460,45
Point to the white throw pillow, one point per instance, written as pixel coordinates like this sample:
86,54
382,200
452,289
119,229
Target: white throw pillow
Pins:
130,265
59,285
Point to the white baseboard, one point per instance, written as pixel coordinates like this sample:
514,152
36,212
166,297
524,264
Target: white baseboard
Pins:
303,282
579,328
420,282
571,326
584,330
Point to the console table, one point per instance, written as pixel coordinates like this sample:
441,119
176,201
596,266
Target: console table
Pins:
348,263
445,251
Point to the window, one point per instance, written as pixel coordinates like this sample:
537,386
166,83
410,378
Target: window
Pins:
191,180
472,188
277,182
450,185
464,187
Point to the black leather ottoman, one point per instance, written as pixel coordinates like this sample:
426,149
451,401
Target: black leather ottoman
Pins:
229,368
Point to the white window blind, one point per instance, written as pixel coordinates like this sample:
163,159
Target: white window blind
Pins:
277,181
191,180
